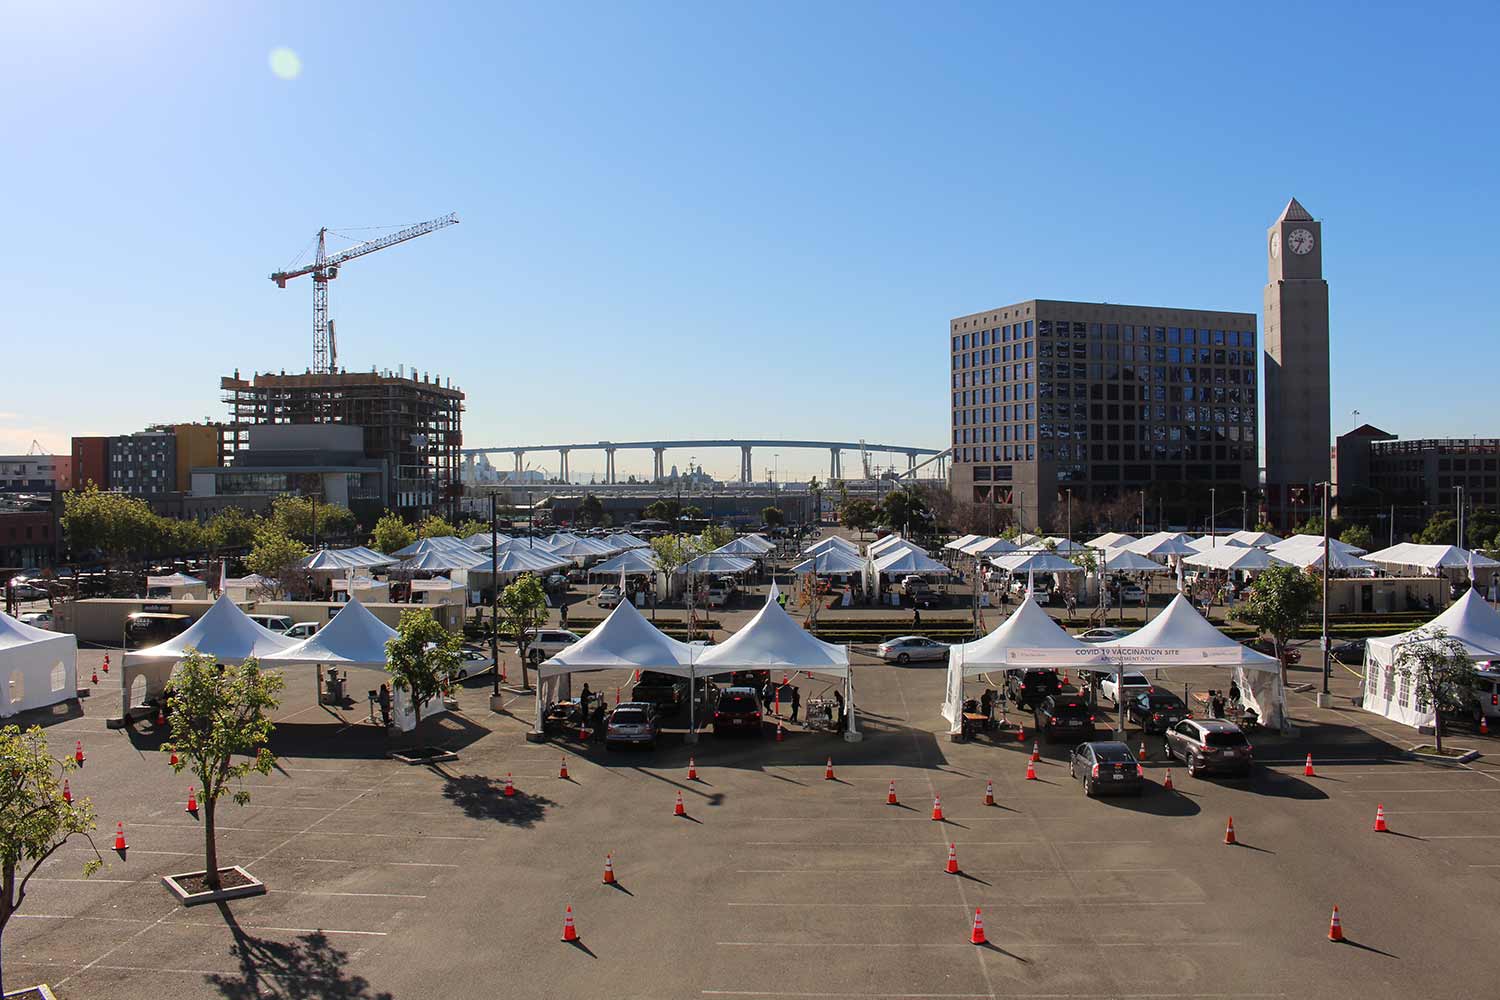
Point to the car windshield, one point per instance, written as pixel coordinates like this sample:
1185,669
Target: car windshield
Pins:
737,703
1136,680
1224,739
628,717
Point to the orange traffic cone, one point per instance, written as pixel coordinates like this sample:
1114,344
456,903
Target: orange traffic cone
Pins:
78,753
1030,771
1036,751
67,792
1307,768
106,663
937,808
1380,819
778,732
890,796
1484,725
679,809
609,869
1065,681
828,770
570,933
1020,734
692,769
952,868
1144,754
120,836
96,676
510,788
617,695
192,805
976,936
562,772
989,793
1166,785
173,761
1229,832
1335,926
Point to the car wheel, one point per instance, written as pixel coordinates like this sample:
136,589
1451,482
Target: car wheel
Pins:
1088,789
1194,768
463,675
903,658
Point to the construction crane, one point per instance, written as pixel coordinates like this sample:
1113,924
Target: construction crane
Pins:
325,268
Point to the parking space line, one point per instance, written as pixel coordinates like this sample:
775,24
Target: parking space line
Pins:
1419,791
928,867
997,996
360,834
1463,836
284,930
362,895
1081,900
927,843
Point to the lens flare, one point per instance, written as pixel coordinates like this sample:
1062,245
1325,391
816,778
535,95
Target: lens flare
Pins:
285,63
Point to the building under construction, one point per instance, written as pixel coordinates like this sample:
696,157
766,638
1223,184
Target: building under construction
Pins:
411,424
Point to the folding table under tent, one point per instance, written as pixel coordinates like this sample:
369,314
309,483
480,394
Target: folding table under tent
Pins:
38,667
354,638
1030,639
1181,637
1388,691
774,641
224,632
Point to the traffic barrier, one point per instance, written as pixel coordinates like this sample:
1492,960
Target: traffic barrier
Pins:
120,836
510,788
778,732
952,867
1380,826
562,771
570,932
192,805
989,792
1229,832
161,717
1335,926
679,809
609,869
67,792
1484,725
1030,771
1307,768
937,808
976,936
692,769
890,796
828,770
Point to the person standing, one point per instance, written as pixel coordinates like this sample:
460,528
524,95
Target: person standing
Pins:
842,720
796,701
384,698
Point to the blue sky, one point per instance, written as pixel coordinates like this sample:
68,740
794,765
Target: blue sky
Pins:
684,220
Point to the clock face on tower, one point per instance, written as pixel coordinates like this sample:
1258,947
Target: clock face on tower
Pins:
1300,241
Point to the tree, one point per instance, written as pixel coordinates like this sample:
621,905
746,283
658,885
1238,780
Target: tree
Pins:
521,609
665,509
816,489
473,526
1265,526
905,510
672,552
1281,599
294,516
34,819
692,512
434,526
1359,536
713,536
220,725
113,524
774,517
591,511
277,556
1442,674
391,533
857,514
423,658
230,528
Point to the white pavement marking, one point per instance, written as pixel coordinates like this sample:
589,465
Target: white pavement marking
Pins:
928,867
362,895
360,834
96,881
923,843
1418,791
1001,996
1463,836
1081,900
284,930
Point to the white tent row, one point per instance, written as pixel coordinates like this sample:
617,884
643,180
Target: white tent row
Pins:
832,562
1388,688
1023,562
875,548
1210,542
744,547
1254,539
1111,540
441,560
342,560
631,561
1236,558
716,562
985,547
957,544
834,541
1302,541
37,667
1431,558
1163,544
1122,560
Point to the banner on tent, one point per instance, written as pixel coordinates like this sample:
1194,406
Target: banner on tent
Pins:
1044,657
1112,656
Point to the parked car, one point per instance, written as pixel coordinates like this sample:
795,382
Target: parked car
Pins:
738,711
1134,683
721,592
915,586
1106,767
609,596
906,648
1028,687
1061,716
1486,695
302,630
633,723
37,619
556,583
1102,634
753,679
276,623
1156,710
1132,593
548,642
1289,656
1210,745
1349,651
666,691
475,661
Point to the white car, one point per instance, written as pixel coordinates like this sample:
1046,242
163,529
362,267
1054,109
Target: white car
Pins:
37,619
1132,593
548,642
909,648
1102,634
302,630
1135,683
476,661
609,596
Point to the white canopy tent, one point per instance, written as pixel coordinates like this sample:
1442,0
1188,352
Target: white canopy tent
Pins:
716,562
1181,637
1390,692
224,632
1021,563
579,549
838,541
908,561
245,588
1026,540
961,541
760,541
176,585
1235,557
367,589
1255,539
1311,557
631,561
1163,544
440,543
1431,558
1210,542
630,541
38,667
878,546
773,641
442,561
1122,560
742,547
833,562
1040,644
343,560
1111,540
985,547
1299,541
1065,546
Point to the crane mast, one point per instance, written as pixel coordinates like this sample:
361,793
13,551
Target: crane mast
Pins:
325,268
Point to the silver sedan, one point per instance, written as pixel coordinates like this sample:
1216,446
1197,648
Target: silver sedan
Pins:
907,648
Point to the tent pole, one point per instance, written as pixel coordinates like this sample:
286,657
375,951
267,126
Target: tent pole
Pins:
1120,695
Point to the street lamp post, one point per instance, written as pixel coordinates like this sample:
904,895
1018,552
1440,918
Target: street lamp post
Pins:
1213,516
495,583
1244,510
1325,699
1143,512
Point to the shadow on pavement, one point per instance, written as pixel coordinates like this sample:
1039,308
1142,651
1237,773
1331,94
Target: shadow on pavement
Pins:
1155,802
306,966
480,796
1282,786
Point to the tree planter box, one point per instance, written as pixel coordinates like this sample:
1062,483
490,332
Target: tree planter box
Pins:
1450,757
238,883
40,992
422,755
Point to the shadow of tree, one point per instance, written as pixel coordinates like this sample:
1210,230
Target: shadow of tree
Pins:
307,966
482,797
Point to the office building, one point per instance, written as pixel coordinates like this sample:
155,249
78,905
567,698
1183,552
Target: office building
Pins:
1104,401
144,462
91,461
1380,476
35,473
322,460
1297,376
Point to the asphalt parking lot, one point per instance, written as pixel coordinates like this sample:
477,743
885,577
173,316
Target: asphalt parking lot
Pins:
388,880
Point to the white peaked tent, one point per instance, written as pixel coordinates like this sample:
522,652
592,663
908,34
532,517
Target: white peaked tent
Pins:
959,543
717,562
1036,641
514,561
343,560
1027,540
832,562
773,641
577,548
177,585
984,547
630,541
38,667
1181,637
1255,539
1210,542
1430,557
440,543
760,541
742,547
1299,541
631,561
1235,557
908,560
443,561
1122,560
835,541
1311,557
244,588
1035,562
880,545
1390,692
1163,543
1111,540
224,632
1066,546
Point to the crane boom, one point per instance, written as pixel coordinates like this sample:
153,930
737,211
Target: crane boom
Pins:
324,268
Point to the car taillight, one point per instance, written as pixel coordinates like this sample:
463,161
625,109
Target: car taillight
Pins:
757,715
1495,699
1155,716
718,715
1094,773
1091,718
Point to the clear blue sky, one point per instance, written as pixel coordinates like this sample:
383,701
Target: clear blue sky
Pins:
696,219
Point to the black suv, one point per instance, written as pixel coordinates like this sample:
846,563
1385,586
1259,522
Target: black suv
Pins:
1064,716
1210,745
738,711
1156,711
1106,767
1028,688
666,692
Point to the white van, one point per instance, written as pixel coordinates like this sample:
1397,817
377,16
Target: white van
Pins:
276,623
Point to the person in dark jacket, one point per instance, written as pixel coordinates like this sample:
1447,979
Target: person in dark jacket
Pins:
796,701
384,699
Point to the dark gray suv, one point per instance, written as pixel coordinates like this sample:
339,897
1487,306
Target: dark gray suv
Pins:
1210,745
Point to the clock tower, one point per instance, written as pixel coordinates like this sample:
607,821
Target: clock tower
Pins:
1295,329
